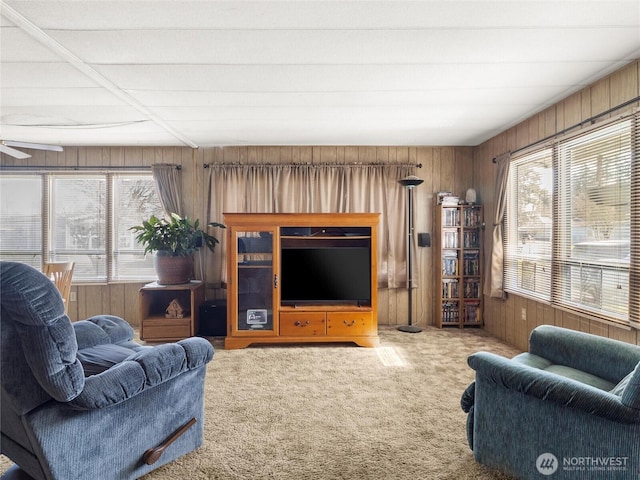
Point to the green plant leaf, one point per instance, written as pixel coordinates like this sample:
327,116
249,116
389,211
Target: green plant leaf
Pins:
177,235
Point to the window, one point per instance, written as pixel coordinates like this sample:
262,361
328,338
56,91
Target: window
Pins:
569,221
593,217
82,217
77,224
529,228
21,219
135,199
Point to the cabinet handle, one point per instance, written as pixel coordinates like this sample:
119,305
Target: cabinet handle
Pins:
301,324
275,281
349,324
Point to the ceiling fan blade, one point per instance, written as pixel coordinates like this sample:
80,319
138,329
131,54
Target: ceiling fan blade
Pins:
35,146
13,152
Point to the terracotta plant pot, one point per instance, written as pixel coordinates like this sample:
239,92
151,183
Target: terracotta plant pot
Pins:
173,270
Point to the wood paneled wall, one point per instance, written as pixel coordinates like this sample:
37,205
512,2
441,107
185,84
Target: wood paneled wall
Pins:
504,319
443,168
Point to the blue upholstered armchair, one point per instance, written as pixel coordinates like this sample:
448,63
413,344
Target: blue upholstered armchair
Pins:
567,409
83,400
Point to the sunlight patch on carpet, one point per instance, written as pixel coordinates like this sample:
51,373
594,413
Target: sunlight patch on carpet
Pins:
390,358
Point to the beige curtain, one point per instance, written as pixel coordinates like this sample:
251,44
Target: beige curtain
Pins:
169,187
316,188
494,284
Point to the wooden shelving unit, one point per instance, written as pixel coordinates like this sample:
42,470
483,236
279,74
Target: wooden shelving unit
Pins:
154,299
256,313
458,265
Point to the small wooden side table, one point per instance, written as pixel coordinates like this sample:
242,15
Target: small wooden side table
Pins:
156,325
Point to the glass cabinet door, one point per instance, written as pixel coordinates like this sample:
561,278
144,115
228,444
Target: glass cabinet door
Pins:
256,281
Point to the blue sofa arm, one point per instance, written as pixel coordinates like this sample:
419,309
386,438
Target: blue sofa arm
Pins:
550,387
578,350
141,371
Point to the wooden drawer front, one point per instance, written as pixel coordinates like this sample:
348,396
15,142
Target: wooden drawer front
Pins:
157,329
302,324
350,323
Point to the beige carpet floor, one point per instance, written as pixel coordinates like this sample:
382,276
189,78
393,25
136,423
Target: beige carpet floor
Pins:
336,411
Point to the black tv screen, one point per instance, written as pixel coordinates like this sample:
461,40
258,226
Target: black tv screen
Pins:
325,275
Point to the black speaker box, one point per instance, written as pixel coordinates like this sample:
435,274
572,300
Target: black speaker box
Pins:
213,318
424,240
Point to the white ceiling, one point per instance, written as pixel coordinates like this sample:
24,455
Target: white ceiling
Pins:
207,73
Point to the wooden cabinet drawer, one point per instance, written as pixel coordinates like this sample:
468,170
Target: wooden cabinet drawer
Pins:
350,323
165,329
302,324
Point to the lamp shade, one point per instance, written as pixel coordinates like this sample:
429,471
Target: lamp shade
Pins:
471,196
410,181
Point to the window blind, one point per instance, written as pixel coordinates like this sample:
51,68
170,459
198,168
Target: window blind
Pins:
592,222
21,219
77,224
134,199
634,249
529,226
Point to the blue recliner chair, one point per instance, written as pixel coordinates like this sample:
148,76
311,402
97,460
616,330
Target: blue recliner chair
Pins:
567,409
82,400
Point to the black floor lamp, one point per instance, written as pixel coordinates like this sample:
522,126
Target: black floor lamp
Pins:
410,183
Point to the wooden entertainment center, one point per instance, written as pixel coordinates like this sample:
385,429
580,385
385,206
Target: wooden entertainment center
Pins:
263,247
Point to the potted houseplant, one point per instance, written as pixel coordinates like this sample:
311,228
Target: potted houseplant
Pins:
174,242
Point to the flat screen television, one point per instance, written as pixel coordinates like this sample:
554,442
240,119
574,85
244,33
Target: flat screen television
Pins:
322,275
